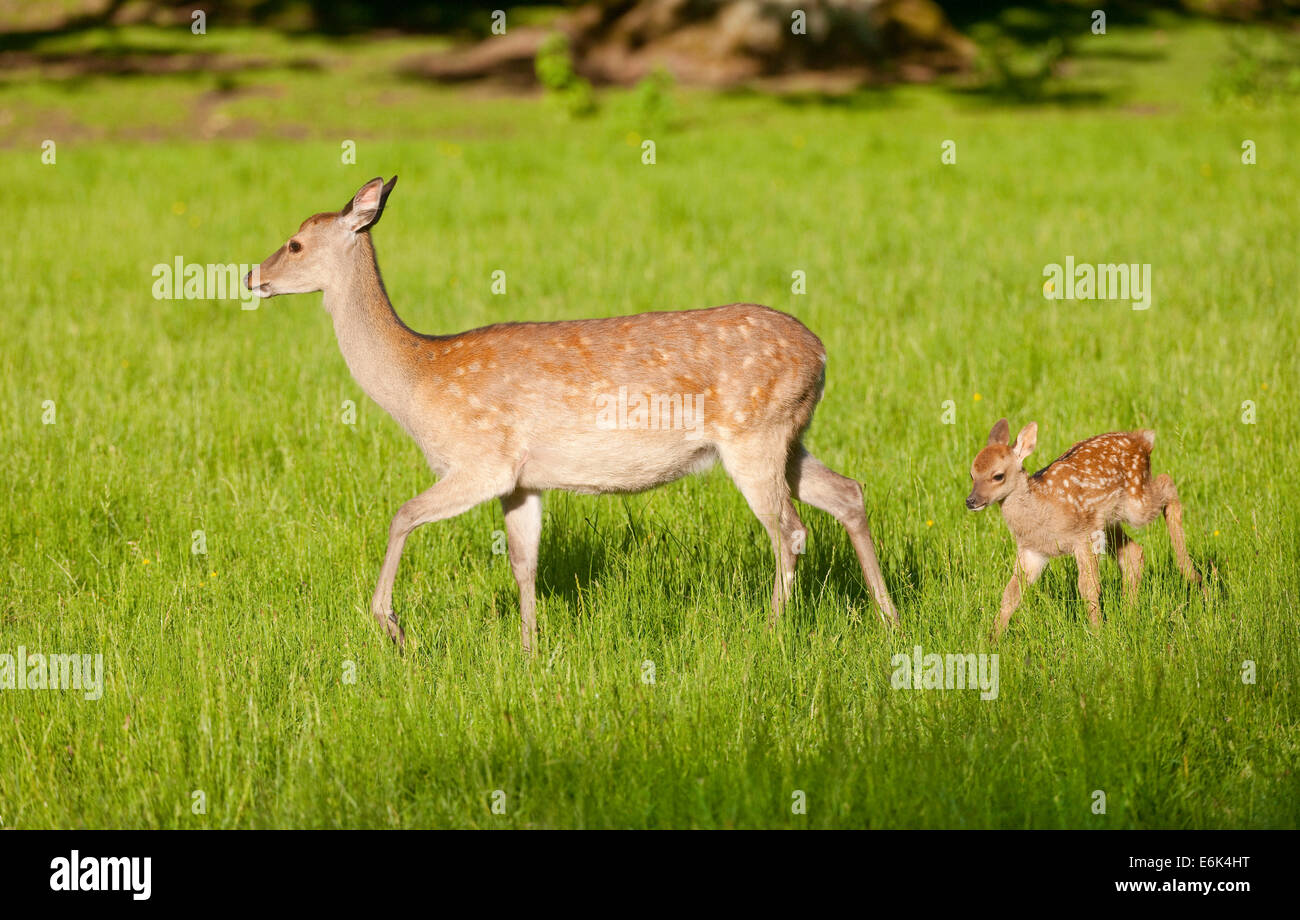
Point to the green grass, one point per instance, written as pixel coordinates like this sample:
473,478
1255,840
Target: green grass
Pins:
226,673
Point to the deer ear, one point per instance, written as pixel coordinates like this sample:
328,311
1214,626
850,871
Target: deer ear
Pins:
1001,433
367,206
1026,441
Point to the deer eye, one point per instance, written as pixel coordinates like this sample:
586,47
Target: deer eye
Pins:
295,246
998,477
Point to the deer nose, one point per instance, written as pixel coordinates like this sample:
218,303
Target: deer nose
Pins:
971,502
248,280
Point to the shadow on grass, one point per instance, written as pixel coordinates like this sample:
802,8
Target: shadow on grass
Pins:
573,566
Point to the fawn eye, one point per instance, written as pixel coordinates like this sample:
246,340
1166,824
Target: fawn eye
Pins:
295,246
998,477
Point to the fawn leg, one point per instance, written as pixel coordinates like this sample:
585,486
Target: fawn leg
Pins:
1167,496
1128,554
450,496
818,485
759,472
1089,581
523,513
1029,565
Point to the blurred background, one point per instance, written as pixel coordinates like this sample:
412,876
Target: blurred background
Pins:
1020,52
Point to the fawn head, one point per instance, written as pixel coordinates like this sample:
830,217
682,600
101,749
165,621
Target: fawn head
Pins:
997,469
314,256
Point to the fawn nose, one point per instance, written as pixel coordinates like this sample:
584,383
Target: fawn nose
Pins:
248,280
971,502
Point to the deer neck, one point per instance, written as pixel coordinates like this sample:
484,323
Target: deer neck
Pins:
1019,507
380,350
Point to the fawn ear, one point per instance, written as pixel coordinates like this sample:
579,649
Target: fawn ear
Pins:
1001,433
367,206
1026,441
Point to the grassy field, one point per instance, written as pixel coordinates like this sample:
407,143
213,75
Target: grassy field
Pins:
249,684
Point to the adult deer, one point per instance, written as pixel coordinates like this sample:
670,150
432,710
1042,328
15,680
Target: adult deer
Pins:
511,410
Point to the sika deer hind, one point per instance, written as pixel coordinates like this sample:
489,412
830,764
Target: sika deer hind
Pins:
1077,504
509,411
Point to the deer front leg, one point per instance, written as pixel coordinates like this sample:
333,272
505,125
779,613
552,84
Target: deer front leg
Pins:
1089,580
1029,565
450,496
523,513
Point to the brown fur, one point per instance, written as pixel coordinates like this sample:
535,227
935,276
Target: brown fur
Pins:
511,410
1076,505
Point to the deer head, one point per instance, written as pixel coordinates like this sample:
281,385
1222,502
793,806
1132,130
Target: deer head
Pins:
997,470
322,252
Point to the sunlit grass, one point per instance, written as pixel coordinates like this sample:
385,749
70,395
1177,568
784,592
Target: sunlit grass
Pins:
228,673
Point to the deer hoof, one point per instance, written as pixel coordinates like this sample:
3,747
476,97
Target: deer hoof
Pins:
388,620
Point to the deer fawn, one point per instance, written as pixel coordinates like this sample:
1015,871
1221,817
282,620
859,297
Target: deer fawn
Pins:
1076,505
511,410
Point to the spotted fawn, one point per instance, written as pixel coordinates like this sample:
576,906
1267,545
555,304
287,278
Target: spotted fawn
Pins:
1076,504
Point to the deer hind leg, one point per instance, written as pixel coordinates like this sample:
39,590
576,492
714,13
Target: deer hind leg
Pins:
1162,496
523,515
450,496
1089,580
758,470
818,485
1128,553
